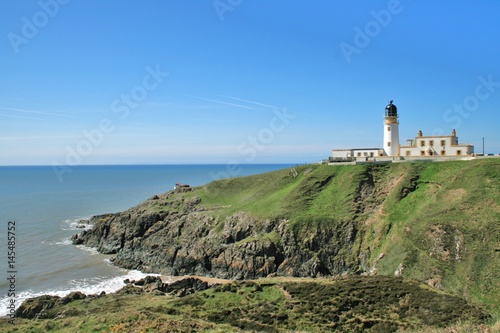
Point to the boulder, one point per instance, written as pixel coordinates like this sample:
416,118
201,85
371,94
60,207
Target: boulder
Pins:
37,307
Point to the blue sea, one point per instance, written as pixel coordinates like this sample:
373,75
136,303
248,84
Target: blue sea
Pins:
46,210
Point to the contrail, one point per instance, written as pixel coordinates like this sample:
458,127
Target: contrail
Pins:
17,138
18,117
252,102
221,102
37,112
261,104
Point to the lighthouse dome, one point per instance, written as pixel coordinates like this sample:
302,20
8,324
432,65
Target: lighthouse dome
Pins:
391,110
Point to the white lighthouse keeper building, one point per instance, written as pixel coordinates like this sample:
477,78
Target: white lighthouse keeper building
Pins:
391,130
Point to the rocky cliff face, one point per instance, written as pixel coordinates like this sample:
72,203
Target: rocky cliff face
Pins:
435,222
183,237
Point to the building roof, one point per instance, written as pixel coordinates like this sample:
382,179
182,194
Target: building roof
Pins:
391,110
349,149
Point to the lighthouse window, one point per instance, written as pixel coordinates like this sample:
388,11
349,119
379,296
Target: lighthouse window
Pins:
388,144
389,128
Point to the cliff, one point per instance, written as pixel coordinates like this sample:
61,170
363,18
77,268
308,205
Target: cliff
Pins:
434,222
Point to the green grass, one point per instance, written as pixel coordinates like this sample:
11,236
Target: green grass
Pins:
355,304
414,214
413,206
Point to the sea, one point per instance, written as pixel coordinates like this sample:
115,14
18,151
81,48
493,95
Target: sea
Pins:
40,210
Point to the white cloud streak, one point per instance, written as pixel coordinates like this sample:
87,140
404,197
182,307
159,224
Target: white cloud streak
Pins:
37,112
219,102
38,138
251,102
18,117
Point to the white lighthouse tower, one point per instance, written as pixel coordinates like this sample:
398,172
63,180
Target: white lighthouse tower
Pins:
391,130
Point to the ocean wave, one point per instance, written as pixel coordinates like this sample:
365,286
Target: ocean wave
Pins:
88,286
80,223
91,250
64,242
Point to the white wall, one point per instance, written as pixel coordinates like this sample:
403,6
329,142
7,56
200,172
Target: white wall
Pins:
391,139
436,145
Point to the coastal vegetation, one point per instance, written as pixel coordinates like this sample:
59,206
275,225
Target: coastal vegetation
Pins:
342,304
417,245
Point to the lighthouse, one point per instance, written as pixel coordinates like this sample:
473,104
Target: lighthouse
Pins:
391,130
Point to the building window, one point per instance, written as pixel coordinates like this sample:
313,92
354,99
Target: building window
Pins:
422,153
371,154
388,128
443,152
388,144
422,143
359,154
459,152
443,143
408,153
431,153
431,143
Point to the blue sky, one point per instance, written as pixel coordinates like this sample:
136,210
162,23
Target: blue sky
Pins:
239,81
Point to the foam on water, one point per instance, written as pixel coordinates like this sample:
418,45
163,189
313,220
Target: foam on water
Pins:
63,242
91,250
80,223
89,286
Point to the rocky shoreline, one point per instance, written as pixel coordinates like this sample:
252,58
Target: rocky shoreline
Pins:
172,235
40,307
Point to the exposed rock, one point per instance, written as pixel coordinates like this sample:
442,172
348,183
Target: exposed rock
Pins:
184,287
399,270
73,296
154,284
37,307
181,240
147,280
130,289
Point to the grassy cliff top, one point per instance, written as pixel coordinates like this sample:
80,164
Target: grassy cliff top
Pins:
334,192
440,221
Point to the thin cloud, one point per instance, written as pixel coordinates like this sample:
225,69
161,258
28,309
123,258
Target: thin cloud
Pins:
18,117
37,112
261,104
217,101
24,138
252,102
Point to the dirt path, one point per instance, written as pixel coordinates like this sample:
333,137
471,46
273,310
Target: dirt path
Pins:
210,281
